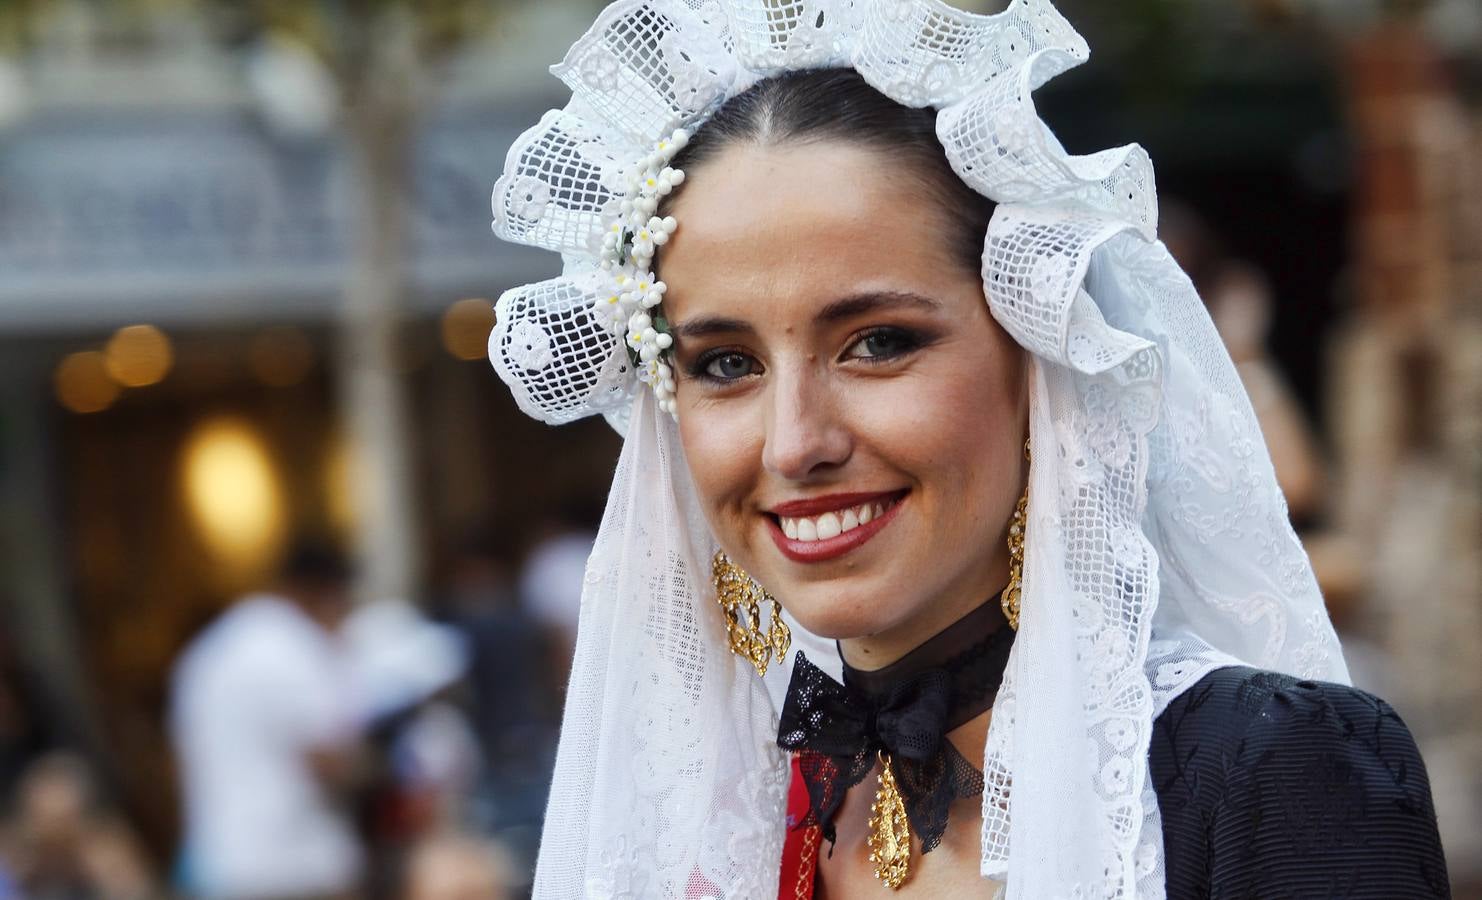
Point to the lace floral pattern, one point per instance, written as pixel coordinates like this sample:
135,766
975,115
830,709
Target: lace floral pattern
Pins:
620,874
1111,382
733,837
1228,545
530,347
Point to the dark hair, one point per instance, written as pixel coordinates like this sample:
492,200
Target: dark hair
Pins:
839,105
317,562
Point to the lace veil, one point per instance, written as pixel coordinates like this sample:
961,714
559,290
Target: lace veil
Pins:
1158,544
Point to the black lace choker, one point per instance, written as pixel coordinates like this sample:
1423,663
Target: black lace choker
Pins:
973,651
903,713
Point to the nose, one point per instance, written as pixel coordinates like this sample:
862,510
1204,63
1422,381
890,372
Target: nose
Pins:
806,434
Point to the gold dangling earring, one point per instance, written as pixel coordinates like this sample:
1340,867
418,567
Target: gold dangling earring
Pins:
1018,525
739,593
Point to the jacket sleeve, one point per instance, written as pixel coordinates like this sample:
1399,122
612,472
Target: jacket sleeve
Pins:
1324,794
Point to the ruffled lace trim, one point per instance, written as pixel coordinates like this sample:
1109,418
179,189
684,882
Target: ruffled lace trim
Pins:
647,67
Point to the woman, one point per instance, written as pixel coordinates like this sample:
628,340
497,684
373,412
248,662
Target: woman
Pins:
990,461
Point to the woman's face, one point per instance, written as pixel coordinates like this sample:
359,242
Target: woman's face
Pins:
853,417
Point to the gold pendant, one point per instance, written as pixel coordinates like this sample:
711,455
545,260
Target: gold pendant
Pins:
890,832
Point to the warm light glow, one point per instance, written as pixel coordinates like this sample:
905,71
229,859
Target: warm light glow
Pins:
83,384
340,467
466,326
234,495
139,355
280,356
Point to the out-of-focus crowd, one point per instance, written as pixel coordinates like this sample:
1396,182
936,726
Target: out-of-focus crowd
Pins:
323,749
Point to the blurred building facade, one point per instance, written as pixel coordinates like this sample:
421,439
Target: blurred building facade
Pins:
178,215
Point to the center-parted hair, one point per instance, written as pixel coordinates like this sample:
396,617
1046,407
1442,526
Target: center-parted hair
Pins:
816,105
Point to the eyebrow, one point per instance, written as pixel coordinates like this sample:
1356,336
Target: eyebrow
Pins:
839,310
873,301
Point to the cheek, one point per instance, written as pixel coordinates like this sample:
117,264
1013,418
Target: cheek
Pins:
724,458
959,431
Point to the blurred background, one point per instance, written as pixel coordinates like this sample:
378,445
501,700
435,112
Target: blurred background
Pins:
249,436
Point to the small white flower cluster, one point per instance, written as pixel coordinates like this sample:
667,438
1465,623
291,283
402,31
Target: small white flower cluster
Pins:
628,251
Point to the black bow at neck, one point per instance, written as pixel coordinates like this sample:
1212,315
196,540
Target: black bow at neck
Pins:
904,710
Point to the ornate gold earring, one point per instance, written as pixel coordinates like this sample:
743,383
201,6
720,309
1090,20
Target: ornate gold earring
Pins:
738,594
1017,527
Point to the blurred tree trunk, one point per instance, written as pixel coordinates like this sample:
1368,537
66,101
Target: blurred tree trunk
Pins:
35,619
378,53
379,83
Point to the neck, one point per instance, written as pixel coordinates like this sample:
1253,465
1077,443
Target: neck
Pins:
971,652
876,651
972,736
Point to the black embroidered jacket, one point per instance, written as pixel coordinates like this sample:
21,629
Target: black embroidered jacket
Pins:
1280,789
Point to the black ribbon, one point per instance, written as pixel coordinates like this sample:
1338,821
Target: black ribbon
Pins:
838,731
829,718
905,711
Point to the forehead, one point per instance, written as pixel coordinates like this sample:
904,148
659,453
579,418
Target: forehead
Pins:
803,222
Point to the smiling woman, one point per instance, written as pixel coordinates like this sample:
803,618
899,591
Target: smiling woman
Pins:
884,354
854,420
818,373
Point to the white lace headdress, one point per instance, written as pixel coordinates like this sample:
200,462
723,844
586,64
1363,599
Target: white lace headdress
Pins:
1158,544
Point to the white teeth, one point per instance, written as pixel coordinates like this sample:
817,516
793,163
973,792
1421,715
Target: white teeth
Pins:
807,530
829,527
832,524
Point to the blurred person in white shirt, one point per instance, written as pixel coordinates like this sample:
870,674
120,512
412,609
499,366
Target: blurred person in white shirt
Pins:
266,732
552,578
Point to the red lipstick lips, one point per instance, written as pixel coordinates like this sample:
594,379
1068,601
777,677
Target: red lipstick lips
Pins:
834,547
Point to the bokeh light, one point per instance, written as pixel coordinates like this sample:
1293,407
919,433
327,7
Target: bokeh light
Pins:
465,328
83,384
235,495
139,356
281,356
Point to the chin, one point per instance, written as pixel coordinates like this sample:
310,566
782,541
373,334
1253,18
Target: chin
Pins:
828,612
